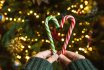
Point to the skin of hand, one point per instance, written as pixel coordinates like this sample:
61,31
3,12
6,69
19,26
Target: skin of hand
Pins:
48,56
68,57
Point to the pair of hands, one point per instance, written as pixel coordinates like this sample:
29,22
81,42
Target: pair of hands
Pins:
65,58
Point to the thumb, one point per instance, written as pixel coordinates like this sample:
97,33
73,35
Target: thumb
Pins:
53,58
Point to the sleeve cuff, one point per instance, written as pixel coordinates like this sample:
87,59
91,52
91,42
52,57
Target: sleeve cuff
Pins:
82,64
36,63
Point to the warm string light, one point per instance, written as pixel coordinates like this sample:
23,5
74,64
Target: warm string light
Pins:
18,56
74,34
73,41
84,50
43,40
15,46
48,12
14,19
80,23
43,22
29,46
1,3
20,12
86,2
68,8
37,16
81,6
29,13
22,46
47,41
82,36
84,7
18,47
38,33
81,49
59,34
62,39
77,39
5,13
70,46
27,58
87,36
26,51
84,23
36,39
62,35
9,9
87,23
58,13
22,38
90,49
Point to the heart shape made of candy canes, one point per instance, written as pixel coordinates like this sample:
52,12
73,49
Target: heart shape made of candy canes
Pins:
57,26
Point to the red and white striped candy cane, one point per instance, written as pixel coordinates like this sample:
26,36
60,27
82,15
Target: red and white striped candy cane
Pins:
69,31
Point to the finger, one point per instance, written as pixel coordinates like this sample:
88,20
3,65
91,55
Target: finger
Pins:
73,56
63,59
44,54
59,52
53,58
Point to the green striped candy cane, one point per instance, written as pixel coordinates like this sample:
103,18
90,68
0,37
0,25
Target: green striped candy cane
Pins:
49,32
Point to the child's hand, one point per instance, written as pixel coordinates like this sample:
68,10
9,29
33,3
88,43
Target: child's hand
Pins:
68,57
48,56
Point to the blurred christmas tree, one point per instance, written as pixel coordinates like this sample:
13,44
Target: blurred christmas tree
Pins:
23,33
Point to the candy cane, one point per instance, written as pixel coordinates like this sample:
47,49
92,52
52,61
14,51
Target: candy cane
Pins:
48,30
69,31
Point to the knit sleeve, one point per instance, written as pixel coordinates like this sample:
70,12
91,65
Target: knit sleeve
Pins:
82,64
36,63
